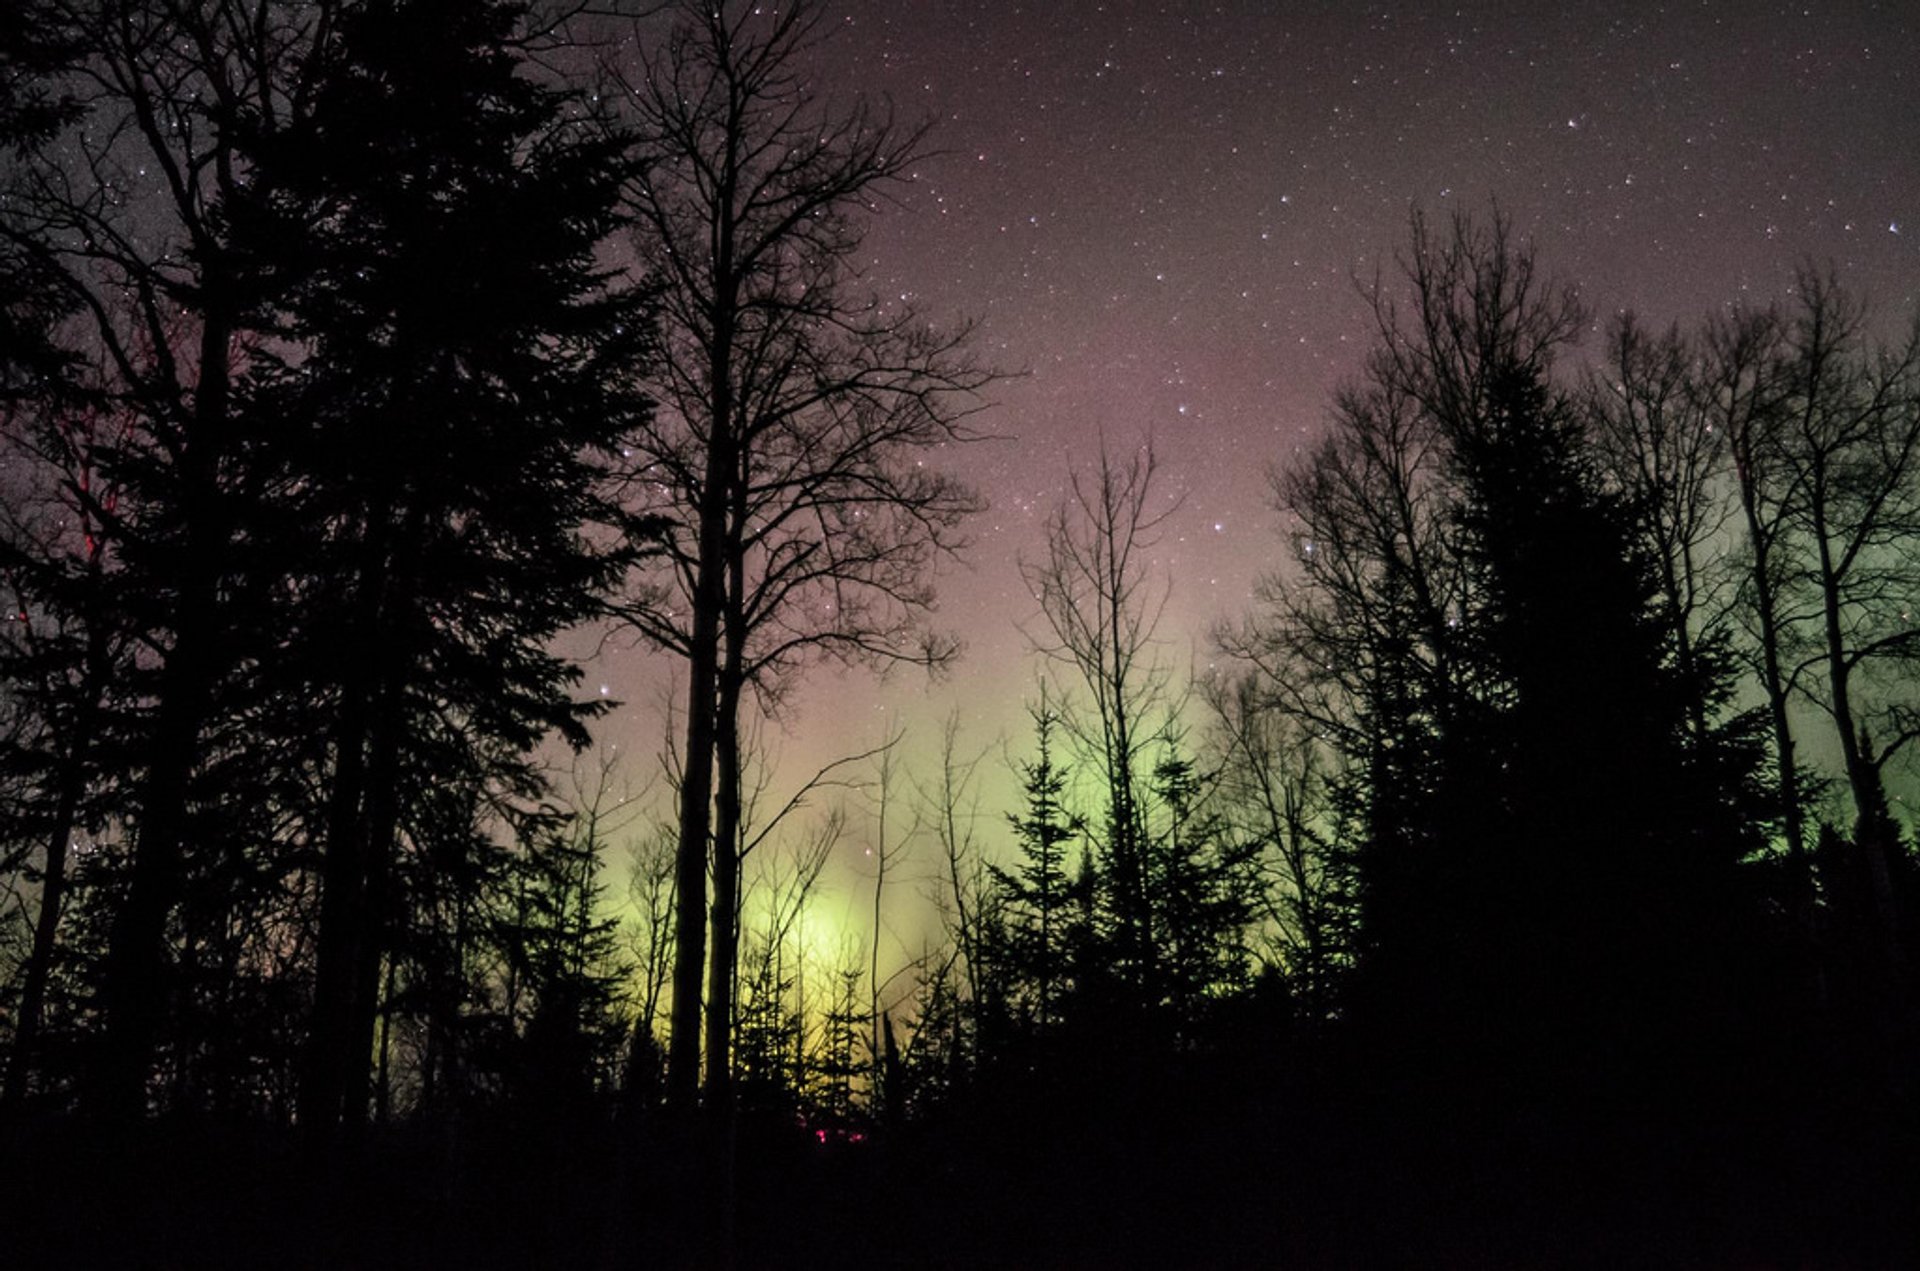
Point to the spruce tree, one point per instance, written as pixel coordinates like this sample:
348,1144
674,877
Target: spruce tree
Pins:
1038,915
122,119
1596,831
454,384
563,953
1558,903
1201,878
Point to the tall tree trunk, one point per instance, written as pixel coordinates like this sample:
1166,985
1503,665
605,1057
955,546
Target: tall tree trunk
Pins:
343,898
355,1057
383,1070
696,779
726,901
725,914
342,908
137,982
136,988
873,950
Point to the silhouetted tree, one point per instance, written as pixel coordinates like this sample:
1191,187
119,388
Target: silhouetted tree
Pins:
1202,882
36,102
1363,644
1585,700
1656,445
794,404
1740,391
1547,847
565,966
1101,610
452,423
1847,461
61,655
771,1024
836,1106
1037,904
884,854
1277,792
961,991
124,221
650,931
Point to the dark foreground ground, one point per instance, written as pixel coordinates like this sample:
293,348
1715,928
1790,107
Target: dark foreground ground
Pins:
1302,1182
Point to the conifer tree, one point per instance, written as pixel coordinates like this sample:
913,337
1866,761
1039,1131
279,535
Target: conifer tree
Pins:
564,954
1101,607
1547,831
122,223
836,1103
1202,881
446,423
1037,909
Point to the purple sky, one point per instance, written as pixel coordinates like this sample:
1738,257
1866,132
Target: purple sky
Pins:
1158,211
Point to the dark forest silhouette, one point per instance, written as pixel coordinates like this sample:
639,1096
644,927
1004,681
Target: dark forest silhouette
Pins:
1523,887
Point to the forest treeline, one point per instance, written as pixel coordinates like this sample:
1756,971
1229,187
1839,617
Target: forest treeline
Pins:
1529,867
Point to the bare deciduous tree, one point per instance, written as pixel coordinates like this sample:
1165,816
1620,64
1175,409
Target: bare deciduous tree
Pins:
795,411
1849,453
1275,782
1738,385
1101,609
1655,438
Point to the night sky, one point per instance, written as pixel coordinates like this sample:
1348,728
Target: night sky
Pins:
1158,212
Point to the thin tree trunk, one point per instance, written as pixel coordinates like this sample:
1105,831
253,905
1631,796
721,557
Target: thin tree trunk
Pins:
53,895
1773,678
873,952
1131,880
1684,654
53,886
1873,829
137,980
33,992
383,1079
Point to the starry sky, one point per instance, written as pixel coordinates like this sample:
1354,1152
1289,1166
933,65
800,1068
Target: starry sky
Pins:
1158,212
